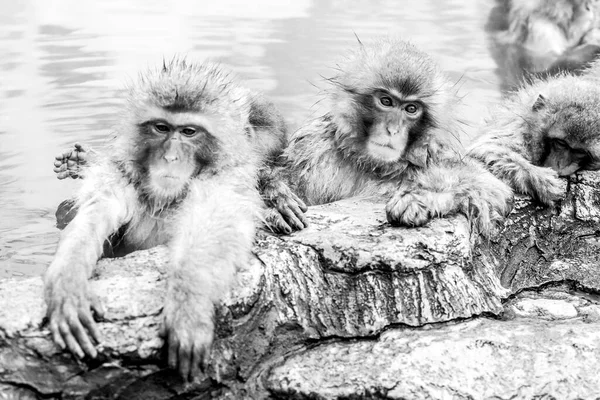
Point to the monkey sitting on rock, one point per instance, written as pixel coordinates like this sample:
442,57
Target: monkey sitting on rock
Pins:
390,134
183,171
547,129
284,211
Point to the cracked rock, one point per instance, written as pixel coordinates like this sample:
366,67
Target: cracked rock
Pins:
349,308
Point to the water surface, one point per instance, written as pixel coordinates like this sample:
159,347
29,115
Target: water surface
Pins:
65,63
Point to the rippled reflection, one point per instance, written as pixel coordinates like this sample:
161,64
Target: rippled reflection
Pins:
64,63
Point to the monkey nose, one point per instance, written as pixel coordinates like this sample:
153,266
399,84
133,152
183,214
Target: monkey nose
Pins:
393,131
171,158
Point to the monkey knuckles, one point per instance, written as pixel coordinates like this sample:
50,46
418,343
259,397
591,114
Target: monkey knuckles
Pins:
70,316
189,344
547,187
275,222
290,209
407,209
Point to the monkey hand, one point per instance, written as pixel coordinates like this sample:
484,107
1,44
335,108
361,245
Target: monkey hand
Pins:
69,304
285,210
486,204
409,208
545,185
70,163
189,330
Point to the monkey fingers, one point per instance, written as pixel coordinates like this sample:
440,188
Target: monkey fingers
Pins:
189,356
64,156
200,360
69,163
184,357
275,222
301,204
545,185
62,173
67,327
293,215
407,209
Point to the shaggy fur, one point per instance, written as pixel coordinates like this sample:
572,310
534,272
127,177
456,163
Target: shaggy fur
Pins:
537,38
557,23
207,217
328,159
514,143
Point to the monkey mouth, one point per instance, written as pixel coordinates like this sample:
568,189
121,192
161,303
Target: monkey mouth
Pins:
383,151
388,145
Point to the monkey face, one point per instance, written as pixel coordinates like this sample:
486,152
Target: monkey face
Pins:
565,156
394,122
172,149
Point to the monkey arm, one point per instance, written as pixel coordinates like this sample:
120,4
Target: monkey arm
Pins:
214,235
518,172
285,210
448,187
103,208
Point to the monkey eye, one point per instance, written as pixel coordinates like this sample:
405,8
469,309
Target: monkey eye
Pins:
561,144
162,128
189,132
386,101
411,108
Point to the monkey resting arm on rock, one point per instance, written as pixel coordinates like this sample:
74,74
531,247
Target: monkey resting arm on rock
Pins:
546,129
182,172
389,134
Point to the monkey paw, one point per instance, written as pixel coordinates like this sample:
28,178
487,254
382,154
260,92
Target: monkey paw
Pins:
69,312
285,211
70,163
546,186
407,209
189,336
486,201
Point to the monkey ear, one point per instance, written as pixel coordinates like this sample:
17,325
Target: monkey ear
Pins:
540,103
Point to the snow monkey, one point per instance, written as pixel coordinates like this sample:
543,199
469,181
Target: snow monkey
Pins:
182,171
284,211
547,129
544,36
389,133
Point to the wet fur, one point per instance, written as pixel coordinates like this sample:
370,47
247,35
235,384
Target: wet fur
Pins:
208,226
513,142
326,160
537,38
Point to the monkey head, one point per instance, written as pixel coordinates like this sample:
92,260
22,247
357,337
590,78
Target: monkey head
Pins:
387,102
570,130
181,120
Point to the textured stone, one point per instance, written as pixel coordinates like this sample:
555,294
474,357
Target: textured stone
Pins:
540,246
349,307
479,359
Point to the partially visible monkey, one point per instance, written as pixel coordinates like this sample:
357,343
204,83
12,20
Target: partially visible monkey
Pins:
543,37
547,129
182,171
284,212
390,133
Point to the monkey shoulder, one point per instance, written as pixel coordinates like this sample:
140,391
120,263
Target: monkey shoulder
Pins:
263,113
313,144
319,171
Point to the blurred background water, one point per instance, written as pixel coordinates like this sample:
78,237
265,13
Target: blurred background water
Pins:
65,62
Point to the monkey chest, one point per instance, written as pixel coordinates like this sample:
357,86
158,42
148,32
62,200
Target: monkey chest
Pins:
148,231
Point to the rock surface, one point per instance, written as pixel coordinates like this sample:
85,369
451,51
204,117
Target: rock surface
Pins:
350,308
